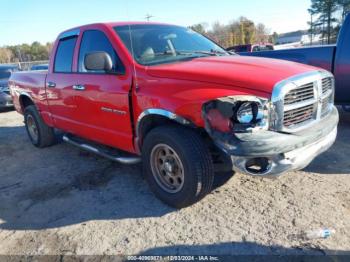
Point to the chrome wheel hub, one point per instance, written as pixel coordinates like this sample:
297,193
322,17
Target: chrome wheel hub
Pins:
168,167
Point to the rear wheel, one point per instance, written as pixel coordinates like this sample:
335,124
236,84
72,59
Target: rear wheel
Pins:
40,134
177,165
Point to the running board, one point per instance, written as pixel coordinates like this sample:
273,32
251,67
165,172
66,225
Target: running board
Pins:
124,160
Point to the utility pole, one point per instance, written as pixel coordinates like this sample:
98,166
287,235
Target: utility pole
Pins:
148,17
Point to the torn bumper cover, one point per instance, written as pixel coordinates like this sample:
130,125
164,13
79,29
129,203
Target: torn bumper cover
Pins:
269,153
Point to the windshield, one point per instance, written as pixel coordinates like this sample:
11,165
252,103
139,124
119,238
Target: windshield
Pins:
156,44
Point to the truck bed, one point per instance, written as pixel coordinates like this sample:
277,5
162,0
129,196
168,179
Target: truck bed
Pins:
31,83
320,56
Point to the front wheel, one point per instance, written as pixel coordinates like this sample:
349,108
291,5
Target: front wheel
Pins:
177,165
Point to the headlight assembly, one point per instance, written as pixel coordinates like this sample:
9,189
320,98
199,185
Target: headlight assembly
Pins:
249,112
236,114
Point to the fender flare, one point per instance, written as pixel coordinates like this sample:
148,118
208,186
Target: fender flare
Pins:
159,112
24,94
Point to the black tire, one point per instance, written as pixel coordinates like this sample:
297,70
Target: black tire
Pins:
198,170
45,135
346,108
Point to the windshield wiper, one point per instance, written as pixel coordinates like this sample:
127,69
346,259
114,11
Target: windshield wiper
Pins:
204,52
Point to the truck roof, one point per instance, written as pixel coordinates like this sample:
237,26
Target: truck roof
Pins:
109,24
133,23
113,24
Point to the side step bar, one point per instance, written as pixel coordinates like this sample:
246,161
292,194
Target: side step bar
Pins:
124,160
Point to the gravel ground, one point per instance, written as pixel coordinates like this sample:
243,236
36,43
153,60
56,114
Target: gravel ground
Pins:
60,200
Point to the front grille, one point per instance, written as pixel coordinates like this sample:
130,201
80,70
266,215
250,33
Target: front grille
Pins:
300,94
308,98
298,115
326,105
326,85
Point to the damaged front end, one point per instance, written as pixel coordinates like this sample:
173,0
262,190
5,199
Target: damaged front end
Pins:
227,116
243,128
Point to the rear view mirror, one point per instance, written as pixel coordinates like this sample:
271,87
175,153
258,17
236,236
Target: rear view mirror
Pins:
98,61
168,36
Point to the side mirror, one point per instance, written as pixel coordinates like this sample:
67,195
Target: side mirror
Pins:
98,61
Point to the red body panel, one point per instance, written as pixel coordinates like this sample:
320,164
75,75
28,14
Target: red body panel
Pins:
181,88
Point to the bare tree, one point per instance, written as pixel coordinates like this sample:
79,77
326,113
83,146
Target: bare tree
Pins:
262,33
6,55
237,32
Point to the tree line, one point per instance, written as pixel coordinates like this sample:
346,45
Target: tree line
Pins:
25,52
326,17
237,32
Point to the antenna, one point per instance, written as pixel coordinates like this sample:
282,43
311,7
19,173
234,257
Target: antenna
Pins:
148,17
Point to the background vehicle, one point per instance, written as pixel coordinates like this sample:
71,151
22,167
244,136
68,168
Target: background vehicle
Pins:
171,97
251,48
5,97
40,67
334,58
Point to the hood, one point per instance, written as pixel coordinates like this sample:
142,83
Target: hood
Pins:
246,72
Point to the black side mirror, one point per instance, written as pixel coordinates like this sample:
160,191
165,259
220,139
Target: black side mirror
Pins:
98,61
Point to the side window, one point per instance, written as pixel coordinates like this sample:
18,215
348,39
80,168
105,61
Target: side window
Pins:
64,55
94,40
256,49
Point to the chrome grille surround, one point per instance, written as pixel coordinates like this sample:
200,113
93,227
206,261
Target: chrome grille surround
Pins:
301,101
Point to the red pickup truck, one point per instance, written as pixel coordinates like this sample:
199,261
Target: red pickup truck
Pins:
172,98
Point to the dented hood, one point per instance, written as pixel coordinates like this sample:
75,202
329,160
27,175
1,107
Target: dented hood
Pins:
237,71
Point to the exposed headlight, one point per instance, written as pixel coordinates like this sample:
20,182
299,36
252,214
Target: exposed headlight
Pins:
249,112
237,114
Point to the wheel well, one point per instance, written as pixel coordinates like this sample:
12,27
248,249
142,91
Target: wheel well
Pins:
149,122
221,162
25,101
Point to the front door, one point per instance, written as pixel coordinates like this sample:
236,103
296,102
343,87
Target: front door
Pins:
102,98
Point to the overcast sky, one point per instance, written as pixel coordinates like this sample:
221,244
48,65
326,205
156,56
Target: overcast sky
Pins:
25,21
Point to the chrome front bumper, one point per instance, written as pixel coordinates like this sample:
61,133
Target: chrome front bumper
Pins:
294,160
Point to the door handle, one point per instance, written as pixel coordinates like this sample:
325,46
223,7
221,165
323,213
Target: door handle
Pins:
79,87
51,84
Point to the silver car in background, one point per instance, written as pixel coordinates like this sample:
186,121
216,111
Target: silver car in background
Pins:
5,96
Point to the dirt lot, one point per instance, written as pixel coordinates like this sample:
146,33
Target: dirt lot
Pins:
60,200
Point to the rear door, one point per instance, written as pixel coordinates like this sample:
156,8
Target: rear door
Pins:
102,98
59,84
